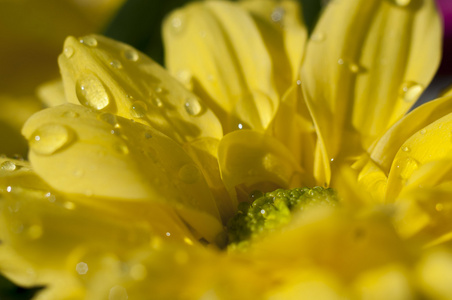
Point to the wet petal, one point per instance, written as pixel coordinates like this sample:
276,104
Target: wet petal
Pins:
222,52
257,161
78,151
340,72
52,93
112,77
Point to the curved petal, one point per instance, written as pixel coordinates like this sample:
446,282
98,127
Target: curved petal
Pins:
354,73
78,151
255,160
224,54
109,76
385,149
52,93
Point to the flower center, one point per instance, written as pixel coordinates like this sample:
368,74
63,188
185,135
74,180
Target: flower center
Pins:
271,211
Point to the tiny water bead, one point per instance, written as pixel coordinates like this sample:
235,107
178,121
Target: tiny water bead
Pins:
410,91
81,268
177,23
121,148
192,106
91,92
50,138
116,64
277,14
406,149
109,118
138,109
131,54
156,101
318,37
8,166
189,173
68,52
50,197
89,41
406,166
423,131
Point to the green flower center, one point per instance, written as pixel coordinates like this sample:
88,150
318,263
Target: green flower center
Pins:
273,210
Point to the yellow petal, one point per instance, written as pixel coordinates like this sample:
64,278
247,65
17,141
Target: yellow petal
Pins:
52,93
385,149
217,49
112,77
355,73
371,177
256,161
431,143
78,151
434,274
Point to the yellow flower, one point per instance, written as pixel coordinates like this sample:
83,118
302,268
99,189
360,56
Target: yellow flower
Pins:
133,174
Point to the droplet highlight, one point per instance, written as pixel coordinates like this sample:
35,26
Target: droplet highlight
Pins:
410,91
68,52
116,64
89,41
189,173
81,268
50,138
192,106
8,166
131,55
91,92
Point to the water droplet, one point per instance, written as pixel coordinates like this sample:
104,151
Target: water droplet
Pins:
406,149
68,52
263,211
116,64
168,234
8,166
70,114
50,138
158,89
439,207
9,189
298,82
410,91
354,68
406,166
193,106
50,197
131,54
148,135
121,148
17,157
138,272
423,131
34,232
177,23
277,14
189,173
340,61
118,293
156,101
402,2
138,109
91,92
81,268
240,126
89,41
69,205
318,37
109,118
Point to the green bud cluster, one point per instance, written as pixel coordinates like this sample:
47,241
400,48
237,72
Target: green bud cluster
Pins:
273,210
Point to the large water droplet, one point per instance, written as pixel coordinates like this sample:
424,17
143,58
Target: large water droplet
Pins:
91,92
131,54
68,51
410,91
116,64
118,293
50,138
8,166
138,109
189,173
192,106
89,41
81,268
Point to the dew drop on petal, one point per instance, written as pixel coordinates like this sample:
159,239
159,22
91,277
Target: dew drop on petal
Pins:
423,131
8,166
50,197
168,234
50,138
189,173
118,293
277,14
91,92
68,51
9,189
116,64
121,148
156,101
138,109
340,61
81,268
108,118
406,149
177,23
131,54
148,135
89,41
410,91
192,106
406,166
69,205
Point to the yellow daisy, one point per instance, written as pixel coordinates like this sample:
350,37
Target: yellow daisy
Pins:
262,165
